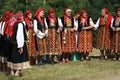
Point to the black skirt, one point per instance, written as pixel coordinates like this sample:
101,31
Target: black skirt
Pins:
2,47
16,57
9,51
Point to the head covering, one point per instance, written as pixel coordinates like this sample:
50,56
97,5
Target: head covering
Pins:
118,9
18,15
67,10
106,10
27,12
5,15
108,19
9,24
37,13
116,18
81,16
28,24
83,11
65,15
51,10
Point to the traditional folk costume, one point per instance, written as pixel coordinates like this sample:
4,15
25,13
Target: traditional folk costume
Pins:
68,35
103,39
85,35
115,37
3,42
30,35
53,38
19,55
40,30
76,25
8,35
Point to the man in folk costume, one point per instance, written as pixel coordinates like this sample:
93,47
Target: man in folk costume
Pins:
28,21
41,31
76,24
76,18
103,24
3,46
116,35
54,26
85,25
19,55
68,35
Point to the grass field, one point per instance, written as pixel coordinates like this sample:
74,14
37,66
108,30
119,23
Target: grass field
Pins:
76,70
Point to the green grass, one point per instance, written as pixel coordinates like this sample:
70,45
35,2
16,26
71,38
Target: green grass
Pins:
86,70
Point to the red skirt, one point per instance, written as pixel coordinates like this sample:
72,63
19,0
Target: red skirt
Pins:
53,41
42,46
115,41
68,41
31,43
85,41
103,39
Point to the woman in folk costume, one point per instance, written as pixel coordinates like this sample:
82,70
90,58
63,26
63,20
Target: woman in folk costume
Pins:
53,39
28,20
8,35
85,25
3,46
103,40
19,55
116,35
41,31
68,35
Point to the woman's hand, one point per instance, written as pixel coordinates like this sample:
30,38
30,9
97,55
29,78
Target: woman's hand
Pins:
113,29
72,30
117,29
20,50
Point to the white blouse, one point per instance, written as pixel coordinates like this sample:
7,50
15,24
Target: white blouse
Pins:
96,26
38,33
76,23
2,27
20,36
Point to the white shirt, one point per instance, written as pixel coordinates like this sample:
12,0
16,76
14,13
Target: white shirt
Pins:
20,36
61,24
2,24
38,32
76,23
0,27
96,26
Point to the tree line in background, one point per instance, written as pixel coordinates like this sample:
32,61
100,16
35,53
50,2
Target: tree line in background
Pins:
92,6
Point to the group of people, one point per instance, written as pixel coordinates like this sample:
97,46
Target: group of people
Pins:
25,40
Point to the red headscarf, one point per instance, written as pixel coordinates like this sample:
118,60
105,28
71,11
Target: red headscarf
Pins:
109,17
65,16
81,16
18,16
9,28
118,9
27,12
4,16
51,10
37,13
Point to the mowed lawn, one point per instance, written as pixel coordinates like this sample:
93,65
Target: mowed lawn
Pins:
75,70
